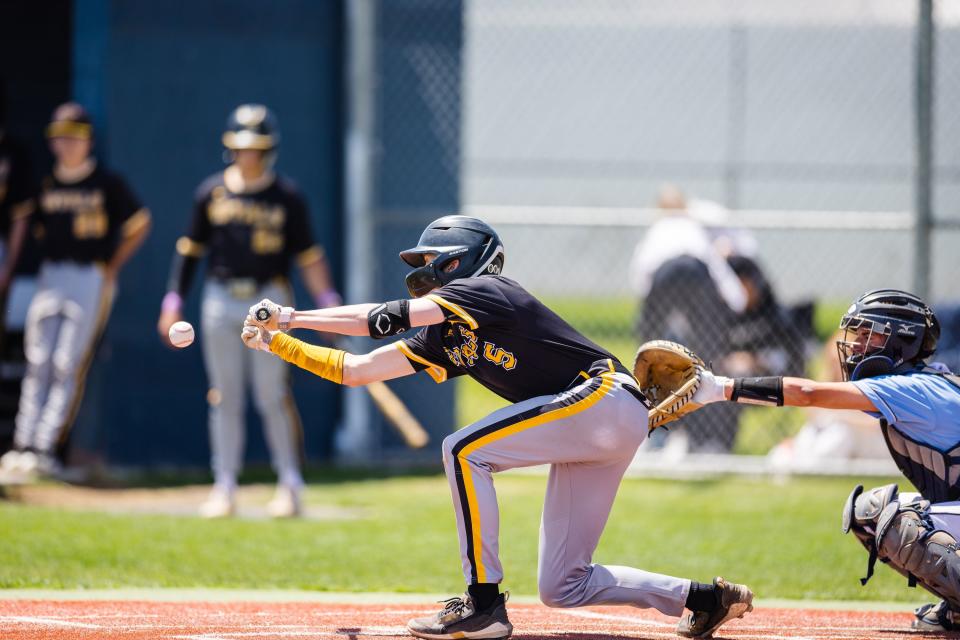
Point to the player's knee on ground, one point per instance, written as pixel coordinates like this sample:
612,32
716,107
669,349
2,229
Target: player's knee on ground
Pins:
560,592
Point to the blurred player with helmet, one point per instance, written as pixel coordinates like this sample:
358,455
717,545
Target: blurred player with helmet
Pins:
575,407
887,338
89,224
251,223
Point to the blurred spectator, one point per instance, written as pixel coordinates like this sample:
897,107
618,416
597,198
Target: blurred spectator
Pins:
90,224
829,434
763,340
690,295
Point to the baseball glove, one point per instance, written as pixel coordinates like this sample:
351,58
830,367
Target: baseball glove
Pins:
669,375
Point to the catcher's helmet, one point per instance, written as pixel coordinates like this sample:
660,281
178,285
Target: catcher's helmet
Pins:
470,240
251,126
886,331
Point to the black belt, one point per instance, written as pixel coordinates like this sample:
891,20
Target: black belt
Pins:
603,366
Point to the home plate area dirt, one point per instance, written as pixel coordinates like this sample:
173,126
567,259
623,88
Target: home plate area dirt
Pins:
132,620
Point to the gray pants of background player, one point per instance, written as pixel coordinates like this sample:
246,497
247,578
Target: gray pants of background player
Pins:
588,435
64,322
231,367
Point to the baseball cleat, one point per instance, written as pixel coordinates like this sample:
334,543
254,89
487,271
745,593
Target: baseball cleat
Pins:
733,601
219,504
935,618
285,503
459,619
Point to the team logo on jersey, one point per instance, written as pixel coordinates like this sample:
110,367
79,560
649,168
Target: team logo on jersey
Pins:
467,353
498,356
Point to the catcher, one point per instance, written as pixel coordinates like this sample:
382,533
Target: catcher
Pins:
576,408
888,337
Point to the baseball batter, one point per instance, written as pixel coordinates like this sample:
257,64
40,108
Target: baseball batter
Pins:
888,337
576,408
251,224
89,224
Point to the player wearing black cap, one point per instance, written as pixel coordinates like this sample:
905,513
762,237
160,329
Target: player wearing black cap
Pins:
575,408
251,224
89,224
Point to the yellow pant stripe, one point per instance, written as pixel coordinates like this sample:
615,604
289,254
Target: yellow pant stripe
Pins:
544,418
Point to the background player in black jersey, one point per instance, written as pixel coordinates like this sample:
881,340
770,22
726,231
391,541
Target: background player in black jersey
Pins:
251,223
576,408
89,224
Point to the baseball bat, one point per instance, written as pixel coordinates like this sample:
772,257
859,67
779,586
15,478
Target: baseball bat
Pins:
389,404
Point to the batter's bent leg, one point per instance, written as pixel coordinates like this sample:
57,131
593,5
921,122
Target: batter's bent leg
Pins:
578,503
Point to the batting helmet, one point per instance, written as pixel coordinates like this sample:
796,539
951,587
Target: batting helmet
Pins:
251,126
470,240
886,331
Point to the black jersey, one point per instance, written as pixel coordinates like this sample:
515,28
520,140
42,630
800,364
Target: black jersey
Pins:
505,339
249,234
16,184
84,220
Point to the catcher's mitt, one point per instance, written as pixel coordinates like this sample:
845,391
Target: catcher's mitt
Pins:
669,375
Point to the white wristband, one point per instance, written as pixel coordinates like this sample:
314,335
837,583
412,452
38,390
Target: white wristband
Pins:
286,314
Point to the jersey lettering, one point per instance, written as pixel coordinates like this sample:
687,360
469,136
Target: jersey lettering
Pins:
498,356
228,210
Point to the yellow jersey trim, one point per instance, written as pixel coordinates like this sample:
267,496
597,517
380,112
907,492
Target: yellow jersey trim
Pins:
435,371
190,248
309,256
136,222
543,418
454,309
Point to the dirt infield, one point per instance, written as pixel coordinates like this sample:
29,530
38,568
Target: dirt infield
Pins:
138,620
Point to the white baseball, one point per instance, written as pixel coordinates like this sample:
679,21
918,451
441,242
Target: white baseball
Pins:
181,334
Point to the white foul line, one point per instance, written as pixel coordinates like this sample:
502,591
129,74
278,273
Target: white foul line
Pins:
49,621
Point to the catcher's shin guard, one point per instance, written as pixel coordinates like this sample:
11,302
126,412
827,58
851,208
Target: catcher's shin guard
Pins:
908,541
903,536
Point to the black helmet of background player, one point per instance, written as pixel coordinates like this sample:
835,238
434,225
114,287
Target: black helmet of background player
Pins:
886,331
470,240
70,120
252,126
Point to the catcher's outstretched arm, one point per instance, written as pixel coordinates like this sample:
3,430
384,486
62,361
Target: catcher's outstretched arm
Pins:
791,392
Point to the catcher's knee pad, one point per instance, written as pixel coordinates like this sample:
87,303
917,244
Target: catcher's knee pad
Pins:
908,541
862,511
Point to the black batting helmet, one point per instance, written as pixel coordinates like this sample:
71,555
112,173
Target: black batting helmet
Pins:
251,126
470,240
886,331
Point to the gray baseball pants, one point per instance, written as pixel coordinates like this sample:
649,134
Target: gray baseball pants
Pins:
230,368
64,322
588,435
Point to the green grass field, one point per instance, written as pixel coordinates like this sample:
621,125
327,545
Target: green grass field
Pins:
784,540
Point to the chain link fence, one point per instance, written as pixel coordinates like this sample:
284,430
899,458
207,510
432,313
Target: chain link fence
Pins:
788,127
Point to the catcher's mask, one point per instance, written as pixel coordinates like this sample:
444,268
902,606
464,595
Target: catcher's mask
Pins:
470,240
886,331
